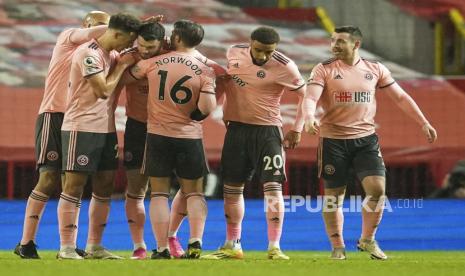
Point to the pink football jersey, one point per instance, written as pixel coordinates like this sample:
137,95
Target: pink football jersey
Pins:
84,110
56,82
254,92
176,80
348,97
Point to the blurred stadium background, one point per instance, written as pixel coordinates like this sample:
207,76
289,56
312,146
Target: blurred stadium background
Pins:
421,42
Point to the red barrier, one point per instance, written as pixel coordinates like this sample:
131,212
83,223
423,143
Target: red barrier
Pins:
287,14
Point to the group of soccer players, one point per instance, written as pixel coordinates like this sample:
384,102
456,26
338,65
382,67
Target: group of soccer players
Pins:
171,88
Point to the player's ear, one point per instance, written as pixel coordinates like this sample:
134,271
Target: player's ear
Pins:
117,35
177,38
357,44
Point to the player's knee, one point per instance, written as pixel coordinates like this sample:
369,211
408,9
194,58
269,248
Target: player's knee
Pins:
104,189
376,193
232,192
48,182
332,202
374,186
137,190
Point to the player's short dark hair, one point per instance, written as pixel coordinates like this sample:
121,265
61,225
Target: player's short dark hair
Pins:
152,31
265,35
354,31
190,32
124,22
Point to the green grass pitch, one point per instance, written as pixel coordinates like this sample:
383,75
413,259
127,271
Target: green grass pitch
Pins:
309,263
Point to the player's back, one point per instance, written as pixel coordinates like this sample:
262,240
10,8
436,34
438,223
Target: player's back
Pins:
56,82
176,80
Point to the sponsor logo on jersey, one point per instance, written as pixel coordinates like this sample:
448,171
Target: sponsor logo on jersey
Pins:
353,97
238,80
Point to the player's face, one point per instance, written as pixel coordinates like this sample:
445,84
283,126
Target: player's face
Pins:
148,49
260,52
342,45
124,40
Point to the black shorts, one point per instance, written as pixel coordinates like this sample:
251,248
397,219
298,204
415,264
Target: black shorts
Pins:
48,140
337,156
165,155
253,149
89,151
134,143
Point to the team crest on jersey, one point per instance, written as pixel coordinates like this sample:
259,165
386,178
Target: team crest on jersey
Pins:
128,156
83,160
368,76
330,169
261,74
52,155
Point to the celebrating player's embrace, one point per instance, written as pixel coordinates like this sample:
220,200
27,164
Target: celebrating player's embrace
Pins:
170,89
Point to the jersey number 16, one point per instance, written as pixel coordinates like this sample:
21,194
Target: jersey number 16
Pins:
175,89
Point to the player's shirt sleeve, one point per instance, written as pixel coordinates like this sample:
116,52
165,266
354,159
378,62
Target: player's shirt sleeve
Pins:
229,52
140,70
291,79
317,76
208,82
385,78
91,63
231,56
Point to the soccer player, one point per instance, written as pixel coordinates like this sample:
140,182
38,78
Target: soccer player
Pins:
48,126
149,44
181,95
89,136
345,86
179,204
254,142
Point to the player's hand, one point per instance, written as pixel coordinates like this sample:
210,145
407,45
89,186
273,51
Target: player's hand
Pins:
225,122
166,46
128,51
312,127
153,19
223,77
430,132
126,59
291,140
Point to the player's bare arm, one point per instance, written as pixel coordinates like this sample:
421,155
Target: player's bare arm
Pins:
293,136
314,92
408,105
79,36
104,87
206,104
154,18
